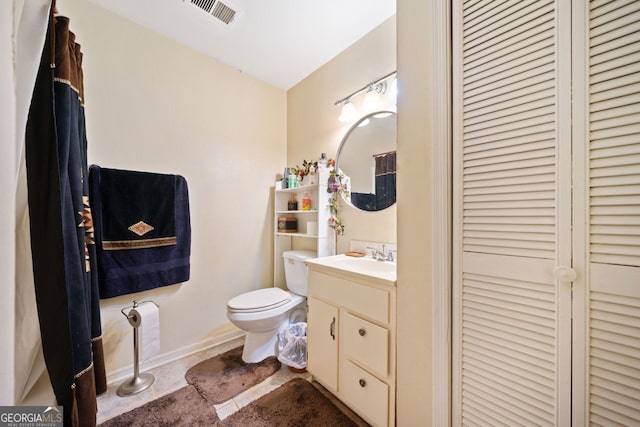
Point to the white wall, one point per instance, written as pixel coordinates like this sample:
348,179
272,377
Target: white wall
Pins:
313,126
7,201
154,105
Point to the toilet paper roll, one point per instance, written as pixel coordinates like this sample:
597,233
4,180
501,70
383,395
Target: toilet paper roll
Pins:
146,317
312,228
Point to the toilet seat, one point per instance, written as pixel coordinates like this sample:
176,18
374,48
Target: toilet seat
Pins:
259,300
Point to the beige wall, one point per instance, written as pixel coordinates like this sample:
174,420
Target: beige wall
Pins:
154,105
415,195
313,126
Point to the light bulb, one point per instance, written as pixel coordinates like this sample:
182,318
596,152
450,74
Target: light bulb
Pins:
393,91
371,100
348,113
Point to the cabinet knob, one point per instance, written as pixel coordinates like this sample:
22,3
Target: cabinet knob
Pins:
564,273
362,383
362,332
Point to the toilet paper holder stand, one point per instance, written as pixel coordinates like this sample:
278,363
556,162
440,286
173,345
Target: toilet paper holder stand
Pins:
139,382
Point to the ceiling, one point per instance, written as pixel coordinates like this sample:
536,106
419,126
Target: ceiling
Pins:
278,41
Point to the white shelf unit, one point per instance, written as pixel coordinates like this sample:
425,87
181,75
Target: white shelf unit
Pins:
323,242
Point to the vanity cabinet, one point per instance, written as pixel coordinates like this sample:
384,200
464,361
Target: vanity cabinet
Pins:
320,239
351,341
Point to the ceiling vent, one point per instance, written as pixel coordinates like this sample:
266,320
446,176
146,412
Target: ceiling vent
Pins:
222,11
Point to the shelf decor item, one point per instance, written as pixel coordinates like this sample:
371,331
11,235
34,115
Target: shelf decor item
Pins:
334,221
292,204
307,173
306,201
287,225
335,187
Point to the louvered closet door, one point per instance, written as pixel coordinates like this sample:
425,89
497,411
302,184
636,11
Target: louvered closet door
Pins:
512,212
607,141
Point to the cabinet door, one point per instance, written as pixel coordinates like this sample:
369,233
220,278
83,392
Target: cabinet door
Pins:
322,343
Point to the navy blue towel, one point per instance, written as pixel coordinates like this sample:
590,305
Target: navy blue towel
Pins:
142,230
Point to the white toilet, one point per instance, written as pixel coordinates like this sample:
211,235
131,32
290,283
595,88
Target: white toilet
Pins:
263,313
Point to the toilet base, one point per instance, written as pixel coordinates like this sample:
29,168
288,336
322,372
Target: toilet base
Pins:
259,345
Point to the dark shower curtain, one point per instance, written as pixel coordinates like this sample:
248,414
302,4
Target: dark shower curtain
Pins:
385,179
62,244
385,185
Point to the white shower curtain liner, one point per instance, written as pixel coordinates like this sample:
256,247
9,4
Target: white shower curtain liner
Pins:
25,34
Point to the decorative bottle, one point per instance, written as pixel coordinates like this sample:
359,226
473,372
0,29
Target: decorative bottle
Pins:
306,201
292,204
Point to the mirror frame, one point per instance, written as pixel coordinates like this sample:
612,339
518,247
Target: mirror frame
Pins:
341,147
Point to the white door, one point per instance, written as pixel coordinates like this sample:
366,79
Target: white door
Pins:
607,215
525,223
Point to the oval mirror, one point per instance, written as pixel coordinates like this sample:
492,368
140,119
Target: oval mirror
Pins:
367,159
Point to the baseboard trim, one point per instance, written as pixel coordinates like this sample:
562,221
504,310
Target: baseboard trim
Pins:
126,372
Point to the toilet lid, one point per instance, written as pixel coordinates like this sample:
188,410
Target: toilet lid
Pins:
262,299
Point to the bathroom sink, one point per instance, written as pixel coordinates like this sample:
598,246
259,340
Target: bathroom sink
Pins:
365,266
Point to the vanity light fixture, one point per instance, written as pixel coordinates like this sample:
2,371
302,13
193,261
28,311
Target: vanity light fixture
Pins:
372,99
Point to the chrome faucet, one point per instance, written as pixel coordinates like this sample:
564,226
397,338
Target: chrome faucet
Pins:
381,255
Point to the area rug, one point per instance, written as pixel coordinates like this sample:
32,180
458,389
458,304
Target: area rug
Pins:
222,377
297,403
212,381
294,404
183,408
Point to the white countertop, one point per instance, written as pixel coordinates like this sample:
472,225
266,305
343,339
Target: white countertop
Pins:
382,272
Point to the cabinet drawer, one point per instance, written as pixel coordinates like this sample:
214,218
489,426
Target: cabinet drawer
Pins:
365,393
366,343
367,300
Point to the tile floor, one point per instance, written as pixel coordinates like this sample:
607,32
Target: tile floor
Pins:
170,377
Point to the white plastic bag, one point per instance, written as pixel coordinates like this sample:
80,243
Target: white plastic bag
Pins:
292,345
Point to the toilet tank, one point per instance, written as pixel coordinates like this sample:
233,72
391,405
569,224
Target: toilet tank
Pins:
295,270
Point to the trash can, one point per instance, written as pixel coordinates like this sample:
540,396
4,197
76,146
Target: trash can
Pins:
292,346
